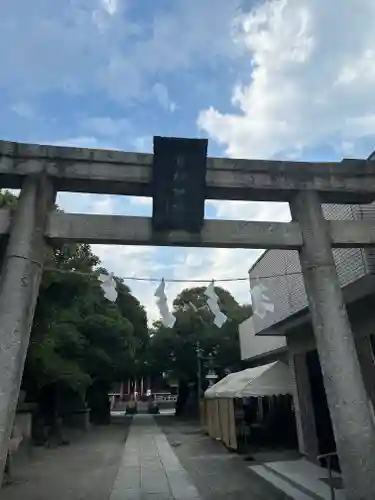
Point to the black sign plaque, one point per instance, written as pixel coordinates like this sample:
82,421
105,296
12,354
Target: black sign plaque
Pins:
178,184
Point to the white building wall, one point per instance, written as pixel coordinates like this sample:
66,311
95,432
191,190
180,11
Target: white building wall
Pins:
252,345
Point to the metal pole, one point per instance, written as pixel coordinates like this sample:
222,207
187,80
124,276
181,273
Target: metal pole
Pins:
328,457
199,361
19,287
347,398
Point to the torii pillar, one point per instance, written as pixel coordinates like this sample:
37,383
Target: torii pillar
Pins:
346,394
19,287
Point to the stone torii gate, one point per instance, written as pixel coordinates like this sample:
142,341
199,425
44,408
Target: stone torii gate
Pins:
41,171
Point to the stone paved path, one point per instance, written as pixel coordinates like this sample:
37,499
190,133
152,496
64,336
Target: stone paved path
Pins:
216,473
162,459
150,470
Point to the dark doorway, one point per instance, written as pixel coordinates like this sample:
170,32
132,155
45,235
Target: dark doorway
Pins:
323,423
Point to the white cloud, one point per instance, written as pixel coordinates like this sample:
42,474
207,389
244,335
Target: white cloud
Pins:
84,203
310,82
162,96
103,205
107,127
311,69
134,261
141,200
206,264
96,44
257,211
143,144
23,109
90,142
110,6
180,38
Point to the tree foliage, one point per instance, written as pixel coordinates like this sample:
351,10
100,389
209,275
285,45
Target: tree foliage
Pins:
80,340
175,350
78,337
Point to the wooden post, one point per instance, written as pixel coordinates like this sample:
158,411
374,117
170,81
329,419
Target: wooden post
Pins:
347,399
19,288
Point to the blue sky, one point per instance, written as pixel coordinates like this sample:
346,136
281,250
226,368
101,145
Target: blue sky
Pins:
260,79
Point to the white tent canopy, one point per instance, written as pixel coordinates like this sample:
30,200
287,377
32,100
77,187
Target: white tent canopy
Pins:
268,380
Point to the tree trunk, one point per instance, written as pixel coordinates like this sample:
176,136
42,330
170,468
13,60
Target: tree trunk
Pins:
99,404
182,398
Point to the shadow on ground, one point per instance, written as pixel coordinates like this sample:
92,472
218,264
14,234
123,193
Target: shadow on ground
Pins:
83,470
87,468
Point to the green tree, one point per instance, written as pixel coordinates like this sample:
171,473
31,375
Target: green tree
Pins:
176,349
80,341
131,308
7,200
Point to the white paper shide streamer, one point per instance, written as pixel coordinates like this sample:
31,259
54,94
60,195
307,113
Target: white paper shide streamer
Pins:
213,304
261,303
108,285
167,317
